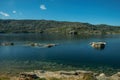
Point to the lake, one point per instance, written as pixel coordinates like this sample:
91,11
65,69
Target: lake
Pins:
72,52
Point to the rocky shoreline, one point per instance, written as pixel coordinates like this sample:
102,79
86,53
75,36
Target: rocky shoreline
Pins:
63,75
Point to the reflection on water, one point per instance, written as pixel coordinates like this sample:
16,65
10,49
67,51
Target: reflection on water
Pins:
72,50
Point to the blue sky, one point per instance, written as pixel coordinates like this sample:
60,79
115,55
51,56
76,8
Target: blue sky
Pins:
91,11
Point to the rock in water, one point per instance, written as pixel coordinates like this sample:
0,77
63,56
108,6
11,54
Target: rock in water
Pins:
7,44
98,45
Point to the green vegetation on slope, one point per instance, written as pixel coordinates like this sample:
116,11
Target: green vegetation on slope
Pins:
49,26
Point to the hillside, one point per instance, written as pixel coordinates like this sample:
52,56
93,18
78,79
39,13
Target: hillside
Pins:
50,26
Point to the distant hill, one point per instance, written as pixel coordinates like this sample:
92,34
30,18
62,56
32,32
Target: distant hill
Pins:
50,26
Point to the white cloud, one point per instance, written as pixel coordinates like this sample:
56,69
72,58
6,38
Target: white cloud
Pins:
43,7
4,14
14,12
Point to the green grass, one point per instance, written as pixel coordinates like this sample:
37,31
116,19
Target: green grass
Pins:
4,78
53,78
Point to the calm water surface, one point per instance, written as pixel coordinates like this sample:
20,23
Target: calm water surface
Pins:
72,50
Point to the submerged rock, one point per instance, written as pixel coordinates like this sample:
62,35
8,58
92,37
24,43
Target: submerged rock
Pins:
49,45
35,44
42,45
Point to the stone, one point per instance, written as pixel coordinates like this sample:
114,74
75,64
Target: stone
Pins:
87,75
27,76
102,76
98,45
7,44
73,32
115,76
49,45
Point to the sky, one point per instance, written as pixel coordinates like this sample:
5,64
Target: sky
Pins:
88,11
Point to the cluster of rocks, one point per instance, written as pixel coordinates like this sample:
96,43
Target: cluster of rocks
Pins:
27,76
67,75
30,44
42,45
97,45
6,44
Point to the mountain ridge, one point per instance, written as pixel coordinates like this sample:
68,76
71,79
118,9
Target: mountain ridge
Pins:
39,26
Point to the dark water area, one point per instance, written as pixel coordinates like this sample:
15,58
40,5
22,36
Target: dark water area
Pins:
71,50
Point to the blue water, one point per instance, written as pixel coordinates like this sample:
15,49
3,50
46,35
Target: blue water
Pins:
71,50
